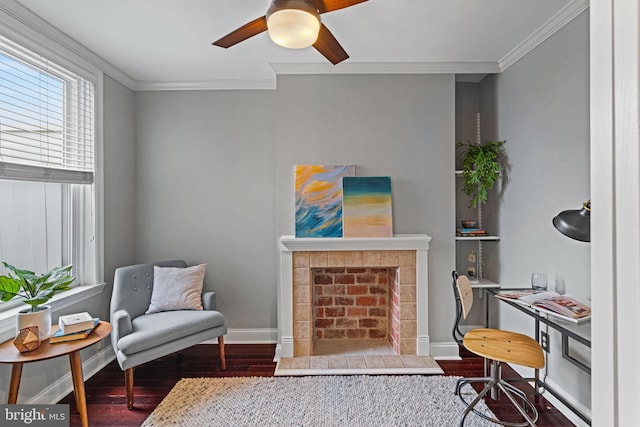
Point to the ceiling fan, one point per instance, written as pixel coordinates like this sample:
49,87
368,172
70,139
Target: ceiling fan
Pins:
295,24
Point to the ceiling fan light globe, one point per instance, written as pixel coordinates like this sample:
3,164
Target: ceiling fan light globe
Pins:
293,28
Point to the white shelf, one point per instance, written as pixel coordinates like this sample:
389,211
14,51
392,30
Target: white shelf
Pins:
484,283
477,238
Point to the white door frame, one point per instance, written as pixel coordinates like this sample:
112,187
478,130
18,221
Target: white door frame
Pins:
615,219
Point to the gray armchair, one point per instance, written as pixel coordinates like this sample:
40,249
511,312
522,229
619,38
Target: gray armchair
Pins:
138,338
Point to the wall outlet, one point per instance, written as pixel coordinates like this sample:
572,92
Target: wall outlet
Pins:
544,341
472,256
471,271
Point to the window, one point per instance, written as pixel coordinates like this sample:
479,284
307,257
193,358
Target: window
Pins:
47,172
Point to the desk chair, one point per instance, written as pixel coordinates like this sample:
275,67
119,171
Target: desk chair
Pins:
500,347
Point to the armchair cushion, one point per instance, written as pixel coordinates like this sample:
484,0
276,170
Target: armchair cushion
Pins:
151,330
177,288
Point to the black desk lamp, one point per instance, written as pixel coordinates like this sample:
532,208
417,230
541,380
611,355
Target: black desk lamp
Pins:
575,223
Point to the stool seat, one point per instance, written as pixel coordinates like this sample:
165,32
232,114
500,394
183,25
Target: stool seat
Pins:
505,346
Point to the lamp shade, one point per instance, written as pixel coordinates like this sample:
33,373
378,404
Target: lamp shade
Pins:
575,223
296,26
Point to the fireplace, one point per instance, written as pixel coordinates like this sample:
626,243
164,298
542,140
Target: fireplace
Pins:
305,262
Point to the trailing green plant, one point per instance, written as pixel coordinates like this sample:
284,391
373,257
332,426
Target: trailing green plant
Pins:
34,289
480,168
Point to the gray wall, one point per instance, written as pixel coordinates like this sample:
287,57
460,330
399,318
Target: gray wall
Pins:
543,113
205,193
215,174
400,126
119,177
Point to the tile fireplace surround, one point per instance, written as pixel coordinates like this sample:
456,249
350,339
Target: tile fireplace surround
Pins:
406,253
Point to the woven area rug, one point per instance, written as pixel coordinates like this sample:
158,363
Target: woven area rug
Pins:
323,401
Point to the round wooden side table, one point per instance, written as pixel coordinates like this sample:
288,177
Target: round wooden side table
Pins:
10,354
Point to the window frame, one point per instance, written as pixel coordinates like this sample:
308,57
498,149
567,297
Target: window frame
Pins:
40,41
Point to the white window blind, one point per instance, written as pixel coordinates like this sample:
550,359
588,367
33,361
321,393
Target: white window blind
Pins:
47,180
46,119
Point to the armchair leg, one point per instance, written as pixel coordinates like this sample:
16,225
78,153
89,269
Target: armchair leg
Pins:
223,362
128,385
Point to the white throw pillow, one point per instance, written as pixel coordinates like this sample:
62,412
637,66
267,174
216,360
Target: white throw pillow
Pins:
177,288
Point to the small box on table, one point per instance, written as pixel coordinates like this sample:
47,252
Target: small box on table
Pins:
76,322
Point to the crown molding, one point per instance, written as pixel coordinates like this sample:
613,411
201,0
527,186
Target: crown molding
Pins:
549,28
462,67
24,22
269,84
467,68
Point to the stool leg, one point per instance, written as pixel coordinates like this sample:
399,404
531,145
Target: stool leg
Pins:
462,381
496,374
521,394
475,401
522,412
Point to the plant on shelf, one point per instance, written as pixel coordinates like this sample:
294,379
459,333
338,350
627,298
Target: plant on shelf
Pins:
480,168
34,289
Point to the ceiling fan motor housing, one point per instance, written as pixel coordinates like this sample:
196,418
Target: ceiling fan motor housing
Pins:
293,23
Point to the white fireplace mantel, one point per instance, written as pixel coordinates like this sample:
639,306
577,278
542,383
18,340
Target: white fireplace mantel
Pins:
400,242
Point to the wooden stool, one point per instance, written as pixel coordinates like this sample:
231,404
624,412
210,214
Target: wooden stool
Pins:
497,346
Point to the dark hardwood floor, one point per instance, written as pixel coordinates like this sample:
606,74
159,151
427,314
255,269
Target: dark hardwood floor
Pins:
153,381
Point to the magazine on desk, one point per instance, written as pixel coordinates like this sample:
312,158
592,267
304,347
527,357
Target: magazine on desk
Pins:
568,307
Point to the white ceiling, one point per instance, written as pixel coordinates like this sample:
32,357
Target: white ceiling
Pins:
169,41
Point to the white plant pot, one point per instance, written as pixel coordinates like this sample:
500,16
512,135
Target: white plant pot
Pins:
40,318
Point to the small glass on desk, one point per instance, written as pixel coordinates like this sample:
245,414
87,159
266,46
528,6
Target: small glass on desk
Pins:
539,281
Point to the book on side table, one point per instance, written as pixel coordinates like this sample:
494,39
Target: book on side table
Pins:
76,322
568,307
60,336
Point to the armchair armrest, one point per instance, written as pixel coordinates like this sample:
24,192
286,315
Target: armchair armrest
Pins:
120,325
209,300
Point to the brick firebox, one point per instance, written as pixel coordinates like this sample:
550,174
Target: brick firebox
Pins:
304,265
405,255
356,303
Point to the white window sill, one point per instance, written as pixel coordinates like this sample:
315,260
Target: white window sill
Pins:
58,302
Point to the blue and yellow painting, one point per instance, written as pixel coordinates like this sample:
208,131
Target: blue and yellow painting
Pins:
366,205
319,199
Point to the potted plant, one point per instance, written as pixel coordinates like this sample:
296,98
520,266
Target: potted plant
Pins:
35,290
480,168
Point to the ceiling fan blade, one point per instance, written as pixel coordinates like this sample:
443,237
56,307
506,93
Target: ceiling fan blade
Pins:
248,30
329,47
325,6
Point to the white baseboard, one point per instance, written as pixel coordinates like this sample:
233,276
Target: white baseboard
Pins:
445,350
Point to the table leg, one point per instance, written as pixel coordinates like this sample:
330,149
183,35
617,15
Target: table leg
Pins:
16,373
78,386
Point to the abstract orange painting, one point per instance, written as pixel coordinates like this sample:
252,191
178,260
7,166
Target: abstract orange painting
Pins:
318,194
